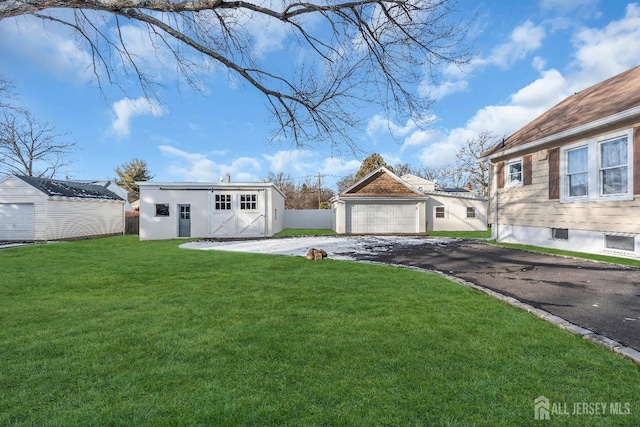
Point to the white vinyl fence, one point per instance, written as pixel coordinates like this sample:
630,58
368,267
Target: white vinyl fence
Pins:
308,218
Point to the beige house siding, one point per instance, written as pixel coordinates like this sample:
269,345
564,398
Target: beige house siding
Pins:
529,205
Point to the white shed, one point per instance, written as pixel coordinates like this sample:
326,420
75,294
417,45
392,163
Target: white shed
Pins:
46,209
209,209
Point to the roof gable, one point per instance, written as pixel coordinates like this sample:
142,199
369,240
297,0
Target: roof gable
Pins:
382,183
58,188
613,96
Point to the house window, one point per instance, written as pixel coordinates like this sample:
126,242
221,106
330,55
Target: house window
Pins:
162,209
560,233
613,166
513,172
249,202
223,202
624,243
597,169
471,212
440,212
578,172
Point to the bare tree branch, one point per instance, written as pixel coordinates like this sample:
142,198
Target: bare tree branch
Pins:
357,53
29,147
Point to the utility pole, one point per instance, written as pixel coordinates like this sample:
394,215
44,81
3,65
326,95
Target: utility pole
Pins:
319,189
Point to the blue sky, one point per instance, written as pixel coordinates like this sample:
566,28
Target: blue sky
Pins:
529,55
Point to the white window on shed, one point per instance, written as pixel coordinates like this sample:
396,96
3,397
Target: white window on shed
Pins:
471,212
222,202
162,209
249,202
440,212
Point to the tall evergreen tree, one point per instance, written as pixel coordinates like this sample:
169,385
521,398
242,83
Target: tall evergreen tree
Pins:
130,172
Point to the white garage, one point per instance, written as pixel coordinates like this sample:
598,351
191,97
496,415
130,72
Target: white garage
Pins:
47,209
16,221
394,216
380,203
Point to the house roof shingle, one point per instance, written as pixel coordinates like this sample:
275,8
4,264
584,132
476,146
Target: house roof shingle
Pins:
54,187
615,95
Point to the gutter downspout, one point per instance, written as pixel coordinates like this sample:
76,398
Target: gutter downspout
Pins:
495,226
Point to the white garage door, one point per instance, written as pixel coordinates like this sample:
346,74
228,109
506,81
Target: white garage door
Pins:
382,218
16,221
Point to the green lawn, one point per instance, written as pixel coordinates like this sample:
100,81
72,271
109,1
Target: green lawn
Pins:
120,332
304,232
462,234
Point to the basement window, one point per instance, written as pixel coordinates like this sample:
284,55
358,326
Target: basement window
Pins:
623,243
162,209
560,233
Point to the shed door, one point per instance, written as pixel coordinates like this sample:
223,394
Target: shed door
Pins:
16,221
184,221
236,214
392,217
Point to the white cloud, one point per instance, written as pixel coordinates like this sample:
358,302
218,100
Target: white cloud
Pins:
199,167
501,120
293,162
380,124
338,167
602,53
53,48
524,39
442,90
127,108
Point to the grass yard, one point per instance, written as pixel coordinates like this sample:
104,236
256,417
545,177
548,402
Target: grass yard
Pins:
287,232
486,234
120,332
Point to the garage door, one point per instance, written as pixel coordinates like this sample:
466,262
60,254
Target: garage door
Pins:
16,221
382,218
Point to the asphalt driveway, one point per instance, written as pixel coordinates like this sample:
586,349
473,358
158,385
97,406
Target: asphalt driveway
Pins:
603,298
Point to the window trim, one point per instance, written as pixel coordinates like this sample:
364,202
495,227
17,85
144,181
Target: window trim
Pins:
628,236
473,216
161,215
594,161
218,202
444,212
242,204
508,183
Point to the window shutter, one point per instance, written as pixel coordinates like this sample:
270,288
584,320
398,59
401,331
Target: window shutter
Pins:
554,173
500,172
636,160
526,170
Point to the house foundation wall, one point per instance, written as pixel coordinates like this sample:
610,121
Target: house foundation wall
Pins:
578,240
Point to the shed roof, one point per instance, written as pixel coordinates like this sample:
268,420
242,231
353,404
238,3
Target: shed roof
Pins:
59,188
607,99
